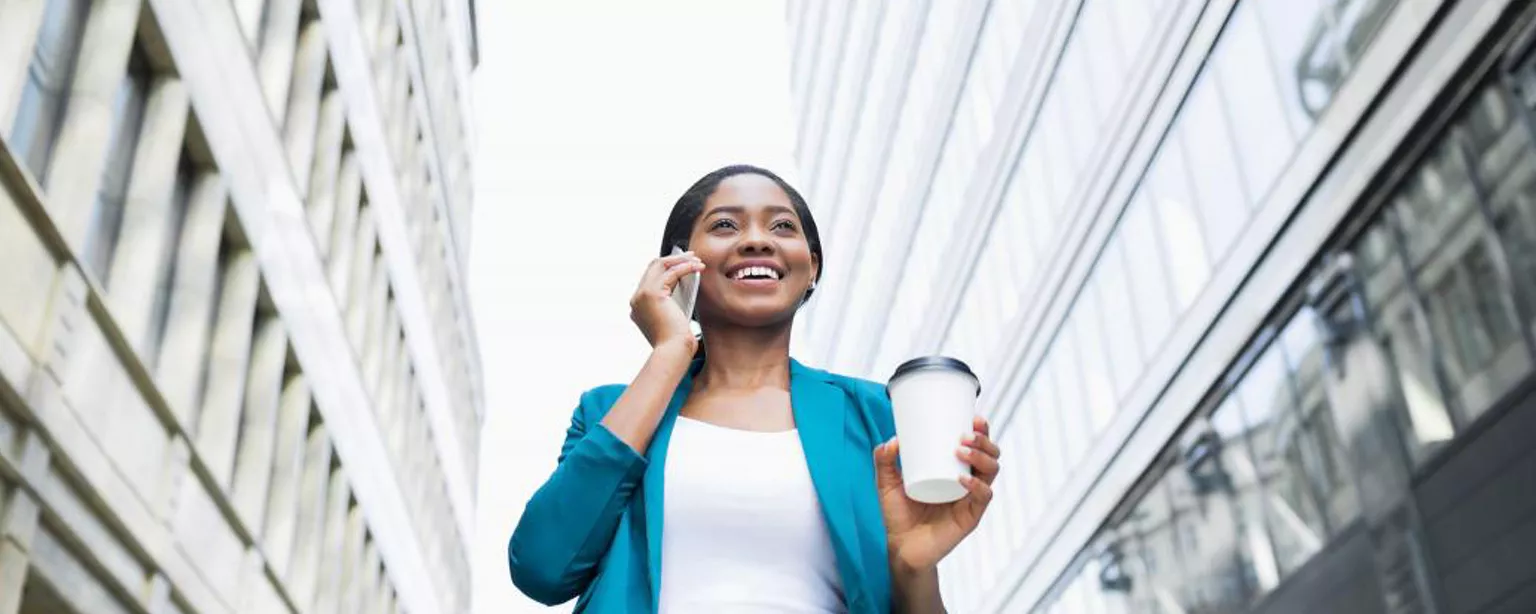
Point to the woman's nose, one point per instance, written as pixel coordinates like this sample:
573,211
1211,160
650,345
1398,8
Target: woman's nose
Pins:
755,240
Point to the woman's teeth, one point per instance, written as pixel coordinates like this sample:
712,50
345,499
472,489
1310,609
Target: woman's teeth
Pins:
756,271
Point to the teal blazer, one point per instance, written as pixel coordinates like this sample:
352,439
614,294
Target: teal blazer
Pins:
594,528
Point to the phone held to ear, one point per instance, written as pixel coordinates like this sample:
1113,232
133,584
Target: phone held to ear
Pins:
686,291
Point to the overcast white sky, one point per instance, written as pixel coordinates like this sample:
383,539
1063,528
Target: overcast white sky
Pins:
593,116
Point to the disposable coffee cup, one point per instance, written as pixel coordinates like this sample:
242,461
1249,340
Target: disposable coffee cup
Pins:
934,400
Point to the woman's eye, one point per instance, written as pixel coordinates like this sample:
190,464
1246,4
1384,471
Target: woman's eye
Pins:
783,225
719,224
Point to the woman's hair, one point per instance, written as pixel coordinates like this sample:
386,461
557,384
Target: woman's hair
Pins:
691,205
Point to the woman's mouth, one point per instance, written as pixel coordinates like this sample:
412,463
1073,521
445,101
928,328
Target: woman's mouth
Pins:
757,276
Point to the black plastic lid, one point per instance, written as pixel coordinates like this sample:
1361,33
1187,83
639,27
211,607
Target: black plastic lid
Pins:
936,362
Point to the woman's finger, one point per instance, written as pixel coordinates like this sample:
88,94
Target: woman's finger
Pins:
983,465
677,271
659,266
887,475
981,492
984,443
980,425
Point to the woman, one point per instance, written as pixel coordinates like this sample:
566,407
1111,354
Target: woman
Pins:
744,481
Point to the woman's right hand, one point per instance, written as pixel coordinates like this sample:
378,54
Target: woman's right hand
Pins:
652,308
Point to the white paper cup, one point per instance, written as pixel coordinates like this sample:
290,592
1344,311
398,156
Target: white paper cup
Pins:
934,400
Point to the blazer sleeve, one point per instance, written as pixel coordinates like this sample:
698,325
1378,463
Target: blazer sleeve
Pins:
569,522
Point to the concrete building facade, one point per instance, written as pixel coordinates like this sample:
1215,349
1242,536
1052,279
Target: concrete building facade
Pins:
237,367
1250,286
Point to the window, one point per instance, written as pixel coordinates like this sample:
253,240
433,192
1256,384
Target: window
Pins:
1136,240
44,96
1213,167
1189,261
1253,101
106,215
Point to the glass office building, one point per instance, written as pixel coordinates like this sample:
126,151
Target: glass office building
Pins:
237,368
1250,285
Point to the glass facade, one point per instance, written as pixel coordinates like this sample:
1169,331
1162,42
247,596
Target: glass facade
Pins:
1129,156
220,387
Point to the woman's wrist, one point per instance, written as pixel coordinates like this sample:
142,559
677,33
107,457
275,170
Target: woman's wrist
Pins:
680,349
915,587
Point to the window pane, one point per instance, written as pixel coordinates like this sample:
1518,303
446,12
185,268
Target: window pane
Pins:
1167,186
1069,402
1149,283
1213,168
1097,385
1507,166
1047,424
1397,329
1101,49
1329,465
1264,142
1133,19
1288,26
1295,523
1212,528
1124,349
1464,296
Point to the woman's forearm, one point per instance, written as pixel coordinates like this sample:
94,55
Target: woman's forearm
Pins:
633,418
915,591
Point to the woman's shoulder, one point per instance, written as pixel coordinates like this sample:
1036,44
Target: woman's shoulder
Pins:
595,402
866,392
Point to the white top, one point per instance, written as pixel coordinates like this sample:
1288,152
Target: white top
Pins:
742,529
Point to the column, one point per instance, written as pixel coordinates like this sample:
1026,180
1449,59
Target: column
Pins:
349,188
304,99
149,215
79,157
19,20
179,367
368,590
378,306
361,277
287,473
353,560
275,64
248,13
310,524
329,571
322,178
258,434
218,423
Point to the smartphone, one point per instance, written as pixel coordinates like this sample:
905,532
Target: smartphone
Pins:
686,292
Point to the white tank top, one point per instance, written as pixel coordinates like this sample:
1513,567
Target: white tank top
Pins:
742,529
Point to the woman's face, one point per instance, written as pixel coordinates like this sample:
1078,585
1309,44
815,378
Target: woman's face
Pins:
758,264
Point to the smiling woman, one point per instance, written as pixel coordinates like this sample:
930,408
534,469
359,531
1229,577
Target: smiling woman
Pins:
746,480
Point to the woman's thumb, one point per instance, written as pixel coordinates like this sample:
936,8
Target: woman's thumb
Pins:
885,462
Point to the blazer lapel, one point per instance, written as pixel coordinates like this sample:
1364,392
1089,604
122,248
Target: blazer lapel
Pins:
654,483
821,410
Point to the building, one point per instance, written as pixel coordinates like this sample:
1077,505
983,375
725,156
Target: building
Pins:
237,367
1250,285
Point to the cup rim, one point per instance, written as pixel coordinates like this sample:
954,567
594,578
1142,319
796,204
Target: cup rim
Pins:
943,363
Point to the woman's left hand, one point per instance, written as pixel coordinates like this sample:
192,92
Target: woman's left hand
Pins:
918,534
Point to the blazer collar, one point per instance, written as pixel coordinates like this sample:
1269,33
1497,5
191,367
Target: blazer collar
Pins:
820,411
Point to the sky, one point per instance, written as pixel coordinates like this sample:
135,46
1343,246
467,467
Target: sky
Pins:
593,117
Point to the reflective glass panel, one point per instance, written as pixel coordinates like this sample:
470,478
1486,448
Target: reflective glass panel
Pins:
1280,448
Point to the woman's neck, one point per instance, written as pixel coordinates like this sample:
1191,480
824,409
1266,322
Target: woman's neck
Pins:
745,358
